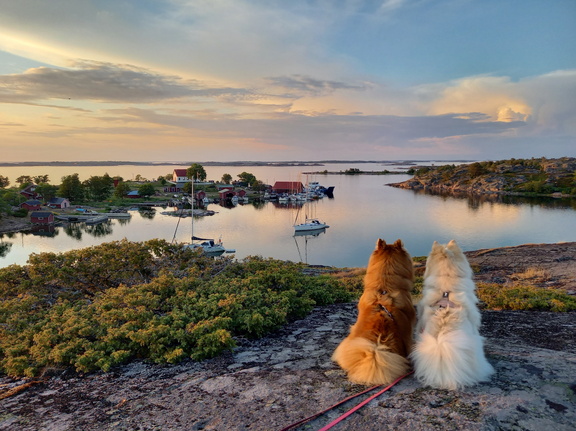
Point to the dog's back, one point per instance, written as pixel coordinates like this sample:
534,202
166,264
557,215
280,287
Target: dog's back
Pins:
449,349
375,351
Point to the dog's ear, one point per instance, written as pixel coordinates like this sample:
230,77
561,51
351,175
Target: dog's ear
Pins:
380,244
435,245
399,243
452,246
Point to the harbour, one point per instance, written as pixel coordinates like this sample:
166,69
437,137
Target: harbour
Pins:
363,208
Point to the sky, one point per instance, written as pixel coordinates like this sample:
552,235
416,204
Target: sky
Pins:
277,80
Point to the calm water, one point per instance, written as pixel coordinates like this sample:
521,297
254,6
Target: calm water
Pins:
362,210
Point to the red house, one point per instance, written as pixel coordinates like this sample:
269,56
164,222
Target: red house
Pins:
41,217
288,187
29,191
31,205
226,193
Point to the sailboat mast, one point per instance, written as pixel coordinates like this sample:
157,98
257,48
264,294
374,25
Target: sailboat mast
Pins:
192,211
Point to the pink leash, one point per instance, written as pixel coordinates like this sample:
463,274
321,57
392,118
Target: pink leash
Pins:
349,412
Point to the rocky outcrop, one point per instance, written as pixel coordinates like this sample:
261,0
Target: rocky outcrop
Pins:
270,383
275,381
539,176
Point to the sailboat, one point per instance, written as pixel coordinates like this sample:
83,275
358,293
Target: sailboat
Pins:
208,245
310,223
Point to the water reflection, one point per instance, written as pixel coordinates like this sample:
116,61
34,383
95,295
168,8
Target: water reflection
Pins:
5,248
304,237
145,212
99,230
476,201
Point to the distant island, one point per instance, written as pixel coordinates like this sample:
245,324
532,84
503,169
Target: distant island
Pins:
540,176
214,163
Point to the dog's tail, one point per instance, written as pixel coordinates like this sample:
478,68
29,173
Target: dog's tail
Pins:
368,363
451,360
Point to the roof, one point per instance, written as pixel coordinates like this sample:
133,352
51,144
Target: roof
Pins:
41,214
290,185
180,172
57,200
33,202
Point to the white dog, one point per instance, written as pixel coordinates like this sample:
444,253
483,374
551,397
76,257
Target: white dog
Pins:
449,352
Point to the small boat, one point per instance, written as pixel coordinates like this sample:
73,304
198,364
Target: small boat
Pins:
207,245
310,224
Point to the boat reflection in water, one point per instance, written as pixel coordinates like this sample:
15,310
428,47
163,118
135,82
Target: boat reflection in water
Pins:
307,235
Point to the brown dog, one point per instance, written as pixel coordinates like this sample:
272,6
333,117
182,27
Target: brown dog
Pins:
375,351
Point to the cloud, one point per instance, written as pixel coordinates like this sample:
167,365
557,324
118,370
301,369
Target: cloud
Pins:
497,97
307,85
103,82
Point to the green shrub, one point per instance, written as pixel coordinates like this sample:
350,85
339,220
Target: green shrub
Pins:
20,212
525,297
103,306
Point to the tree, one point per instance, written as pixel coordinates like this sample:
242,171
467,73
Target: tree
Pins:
71,188
11,197
24,179
475,170
4,182
99,188
41,179
226,178
247,178
47,191
146,190
121,190
258,186
196,172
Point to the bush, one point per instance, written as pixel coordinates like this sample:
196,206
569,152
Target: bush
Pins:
524,297
20,212
102,306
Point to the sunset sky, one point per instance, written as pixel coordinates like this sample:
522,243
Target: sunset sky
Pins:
273,80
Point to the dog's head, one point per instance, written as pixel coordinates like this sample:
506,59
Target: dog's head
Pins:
447,260
390,259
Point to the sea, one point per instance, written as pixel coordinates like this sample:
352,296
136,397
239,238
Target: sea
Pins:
363,208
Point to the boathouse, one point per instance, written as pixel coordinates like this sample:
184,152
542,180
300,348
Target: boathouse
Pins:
288,187
227,193
41,217
59,203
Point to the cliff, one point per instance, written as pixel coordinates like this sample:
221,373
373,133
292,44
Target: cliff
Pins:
514,177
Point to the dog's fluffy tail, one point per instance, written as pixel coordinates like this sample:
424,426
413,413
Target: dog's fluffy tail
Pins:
452,360
368,363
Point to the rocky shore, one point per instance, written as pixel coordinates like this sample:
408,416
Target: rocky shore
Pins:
507,177
278,380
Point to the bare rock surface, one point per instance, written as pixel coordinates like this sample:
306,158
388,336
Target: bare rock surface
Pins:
273,382
276,381
543,265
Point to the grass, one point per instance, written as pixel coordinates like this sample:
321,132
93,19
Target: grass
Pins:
524,297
